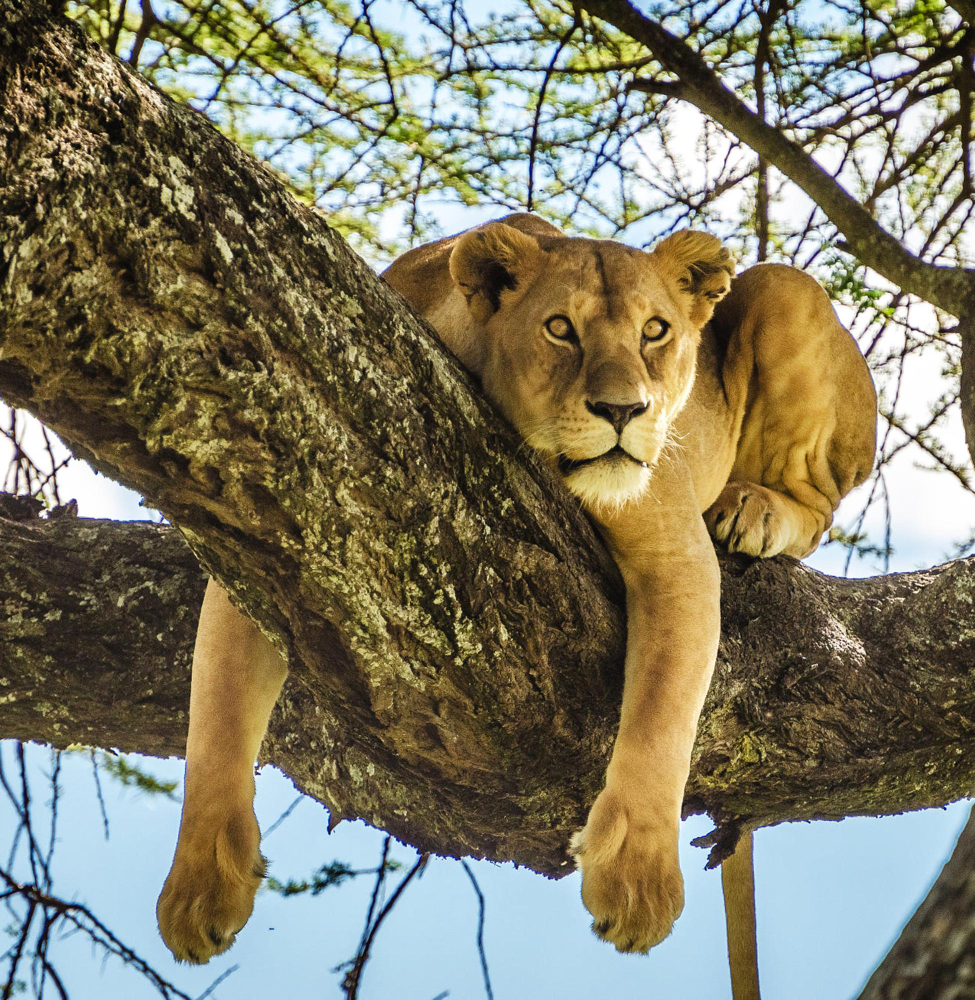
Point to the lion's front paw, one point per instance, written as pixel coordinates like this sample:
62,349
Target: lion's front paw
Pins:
209,893
745,518
631,881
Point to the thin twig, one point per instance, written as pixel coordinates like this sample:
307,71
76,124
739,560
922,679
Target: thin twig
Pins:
350,984
480,929
294,805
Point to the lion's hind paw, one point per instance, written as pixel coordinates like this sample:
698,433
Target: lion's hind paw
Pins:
631,881
209,894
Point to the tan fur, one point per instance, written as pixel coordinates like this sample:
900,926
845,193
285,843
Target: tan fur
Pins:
738,887
218,867
759,421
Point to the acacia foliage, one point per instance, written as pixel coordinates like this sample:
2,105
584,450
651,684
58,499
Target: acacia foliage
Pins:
370,107
393,116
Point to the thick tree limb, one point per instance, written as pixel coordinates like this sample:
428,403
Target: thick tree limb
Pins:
197,334
454,626
97,620
949,288
831,697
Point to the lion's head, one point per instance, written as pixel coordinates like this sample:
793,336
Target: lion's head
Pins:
589,346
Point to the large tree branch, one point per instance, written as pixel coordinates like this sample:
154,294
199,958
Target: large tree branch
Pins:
454,626
831,697
197,334
949,288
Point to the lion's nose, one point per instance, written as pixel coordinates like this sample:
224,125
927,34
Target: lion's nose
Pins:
618,414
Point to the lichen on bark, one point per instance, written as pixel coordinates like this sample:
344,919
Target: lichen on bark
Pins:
831,697
454,627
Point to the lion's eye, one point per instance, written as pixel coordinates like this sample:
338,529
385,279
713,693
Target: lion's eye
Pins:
560,328
655,329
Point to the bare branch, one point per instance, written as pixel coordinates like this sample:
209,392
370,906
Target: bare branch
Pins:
951,289
489,993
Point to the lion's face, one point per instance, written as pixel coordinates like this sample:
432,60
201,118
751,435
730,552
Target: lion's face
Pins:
589,346
591,364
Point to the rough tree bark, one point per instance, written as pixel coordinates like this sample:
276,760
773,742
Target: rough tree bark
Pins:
197,334
454,626
832,697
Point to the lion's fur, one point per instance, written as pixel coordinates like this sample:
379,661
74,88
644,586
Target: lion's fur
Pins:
760,418
782,397
603,357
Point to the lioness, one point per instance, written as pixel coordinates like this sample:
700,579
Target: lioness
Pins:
667,425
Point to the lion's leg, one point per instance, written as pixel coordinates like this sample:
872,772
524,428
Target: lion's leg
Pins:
631,881
808,414
237,676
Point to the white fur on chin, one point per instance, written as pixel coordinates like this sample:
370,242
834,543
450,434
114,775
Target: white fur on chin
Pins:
608,483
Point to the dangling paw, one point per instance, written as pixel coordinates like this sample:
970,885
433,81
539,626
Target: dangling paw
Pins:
209,893
631,881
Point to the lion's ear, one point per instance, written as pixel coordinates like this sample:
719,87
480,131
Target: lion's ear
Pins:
493,263
701,267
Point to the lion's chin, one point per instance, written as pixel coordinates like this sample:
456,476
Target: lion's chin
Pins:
611,482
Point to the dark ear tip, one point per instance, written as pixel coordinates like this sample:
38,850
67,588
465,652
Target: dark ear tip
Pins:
490,261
